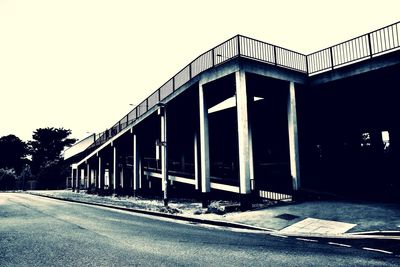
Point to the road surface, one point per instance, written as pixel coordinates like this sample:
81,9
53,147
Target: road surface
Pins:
36,231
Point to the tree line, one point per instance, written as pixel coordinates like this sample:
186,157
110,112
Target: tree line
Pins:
36,163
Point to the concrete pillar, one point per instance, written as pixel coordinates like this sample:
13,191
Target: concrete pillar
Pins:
114,173
164,154
78,182
293,138
99,176
204,146
135,165
196,163
72,179
92,178
204,143
121,177
244,133
88,176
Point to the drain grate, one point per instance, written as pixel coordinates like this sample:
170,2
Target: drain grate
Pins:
287,217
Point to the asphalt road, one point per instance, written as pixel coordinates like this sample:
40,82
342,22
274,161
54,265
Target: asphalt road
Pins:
36,231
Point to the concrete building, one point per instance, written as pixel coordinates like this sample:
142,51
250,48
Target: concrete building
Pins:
249,119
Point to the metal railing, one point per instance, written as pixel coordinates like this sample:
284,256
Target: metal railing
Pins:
232,48
357,49
360,48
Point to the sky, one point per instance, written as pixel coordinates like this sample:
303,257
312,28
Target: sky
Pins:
79,64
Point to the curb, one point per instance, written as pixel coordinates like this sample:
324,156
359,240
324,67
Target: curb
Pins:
166,215
349,236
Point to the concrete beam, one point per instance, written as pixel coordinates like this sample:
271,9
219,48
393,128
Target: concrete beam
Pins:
365,66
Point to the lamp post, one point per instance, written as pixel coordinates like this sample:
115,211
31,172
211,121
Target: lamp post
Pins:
164,155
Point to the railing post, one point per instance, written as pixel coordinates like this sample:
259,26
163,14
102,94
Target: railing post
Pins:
159,95
190,71
369,45
238,44
307,65
330,51
275,60
173,83
147,104
212,57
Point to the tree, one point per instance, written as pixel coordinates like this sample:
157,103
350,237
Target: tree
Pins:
45,148
13,153
25,176
7,179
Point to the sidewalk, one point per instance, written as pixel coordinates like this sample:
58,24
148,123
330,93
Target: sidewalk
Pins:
324,218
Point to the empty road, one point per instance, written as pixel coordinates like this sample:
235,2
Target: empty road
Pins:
36,231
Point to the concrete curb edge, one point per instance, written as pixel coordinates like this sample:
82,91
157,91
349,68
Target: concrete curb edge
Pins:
165,215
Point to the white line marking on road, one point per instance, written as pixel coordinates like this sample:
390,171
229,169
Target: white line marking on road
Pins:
377,250
339,244
278,235
307,240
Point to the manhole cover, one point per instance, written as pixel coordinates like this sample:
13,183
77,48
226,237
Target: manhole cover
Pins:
286,216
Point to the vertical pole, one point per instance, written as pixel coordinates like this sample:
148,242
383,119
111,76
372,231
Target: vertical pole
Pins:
114,168
196,163
121,177
135,165
78,182
370,45
204,146
244,139
164,155
293,138
99,174
88,176
72,179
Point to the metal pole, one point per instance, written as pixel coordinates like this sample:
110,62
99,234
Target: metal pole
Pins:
164,156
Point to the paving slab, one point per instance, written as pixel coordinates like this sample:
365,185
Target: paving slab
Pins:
317,226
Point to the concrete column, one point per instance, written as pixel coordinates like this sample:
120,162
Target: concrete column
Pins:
244,133
99,174
92,177
114,173
204,144
293,138
78,182
135,165
121,177
72,179
164,155
251,156
196,163
88,175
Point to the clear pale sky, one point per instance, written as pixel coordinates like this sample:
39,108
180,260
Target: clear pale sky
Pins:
78,64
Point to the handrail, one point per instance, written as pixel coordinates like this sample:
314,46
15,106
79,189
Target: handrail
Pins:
360,48
344,53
